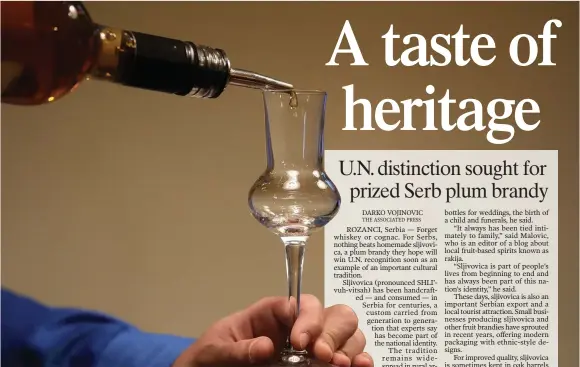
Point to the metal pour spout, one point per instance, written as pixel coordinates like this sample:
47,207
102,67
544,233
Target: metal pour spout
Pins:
249,79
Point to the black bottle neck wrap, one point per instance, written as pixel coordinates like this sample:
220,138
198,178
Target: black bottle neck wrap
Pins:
173,66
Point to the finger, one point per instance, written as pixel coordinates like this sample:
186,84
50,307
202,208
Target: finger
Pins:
308,326
353,347
273,317
340,324
259,350
363,360
270,317
240,353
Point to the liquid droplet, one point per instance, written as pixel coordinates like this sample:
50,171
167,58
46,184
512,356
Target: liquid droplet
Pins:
293,100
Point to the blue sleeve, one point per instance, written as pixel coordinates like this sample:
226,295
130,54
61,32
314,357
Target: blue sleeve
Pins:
36,335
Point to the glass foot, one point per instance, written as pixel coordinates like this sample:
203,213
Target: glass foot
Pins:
296,360
319,363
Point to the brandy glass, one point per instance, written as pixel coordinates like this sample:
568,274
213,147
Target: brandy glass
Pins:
294,197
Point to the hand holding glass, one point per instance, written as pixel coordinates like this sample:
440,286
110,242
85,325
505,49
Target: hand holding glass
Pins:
294,197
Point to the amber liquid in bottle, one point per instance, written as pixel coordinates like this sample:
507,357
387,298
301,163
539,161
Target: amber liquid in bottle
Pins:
48,48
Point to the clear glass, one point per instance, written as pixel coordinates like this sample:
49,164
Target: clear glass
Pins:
294,197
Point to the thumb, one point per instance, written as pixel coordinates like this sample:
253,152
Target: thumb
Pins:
241,353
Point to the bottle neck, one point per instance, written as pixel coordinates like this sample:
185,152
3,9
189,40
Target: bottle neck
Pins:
160,64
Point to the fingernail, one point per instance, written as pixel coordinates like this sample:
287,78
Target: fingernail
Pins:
343,361
329,352
250,357
367,357
304,340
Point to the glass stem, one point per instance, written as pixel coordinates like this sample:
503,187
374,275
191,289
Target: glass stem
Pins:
294,249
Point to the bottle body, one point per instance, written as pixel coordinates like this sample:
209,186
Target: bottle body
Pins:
48,48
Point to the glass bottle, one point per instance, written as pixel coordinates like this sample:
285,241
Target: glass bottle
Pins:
294,197
49,47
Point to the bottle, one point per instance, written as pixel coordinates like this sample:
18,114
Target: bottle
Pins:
49,47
